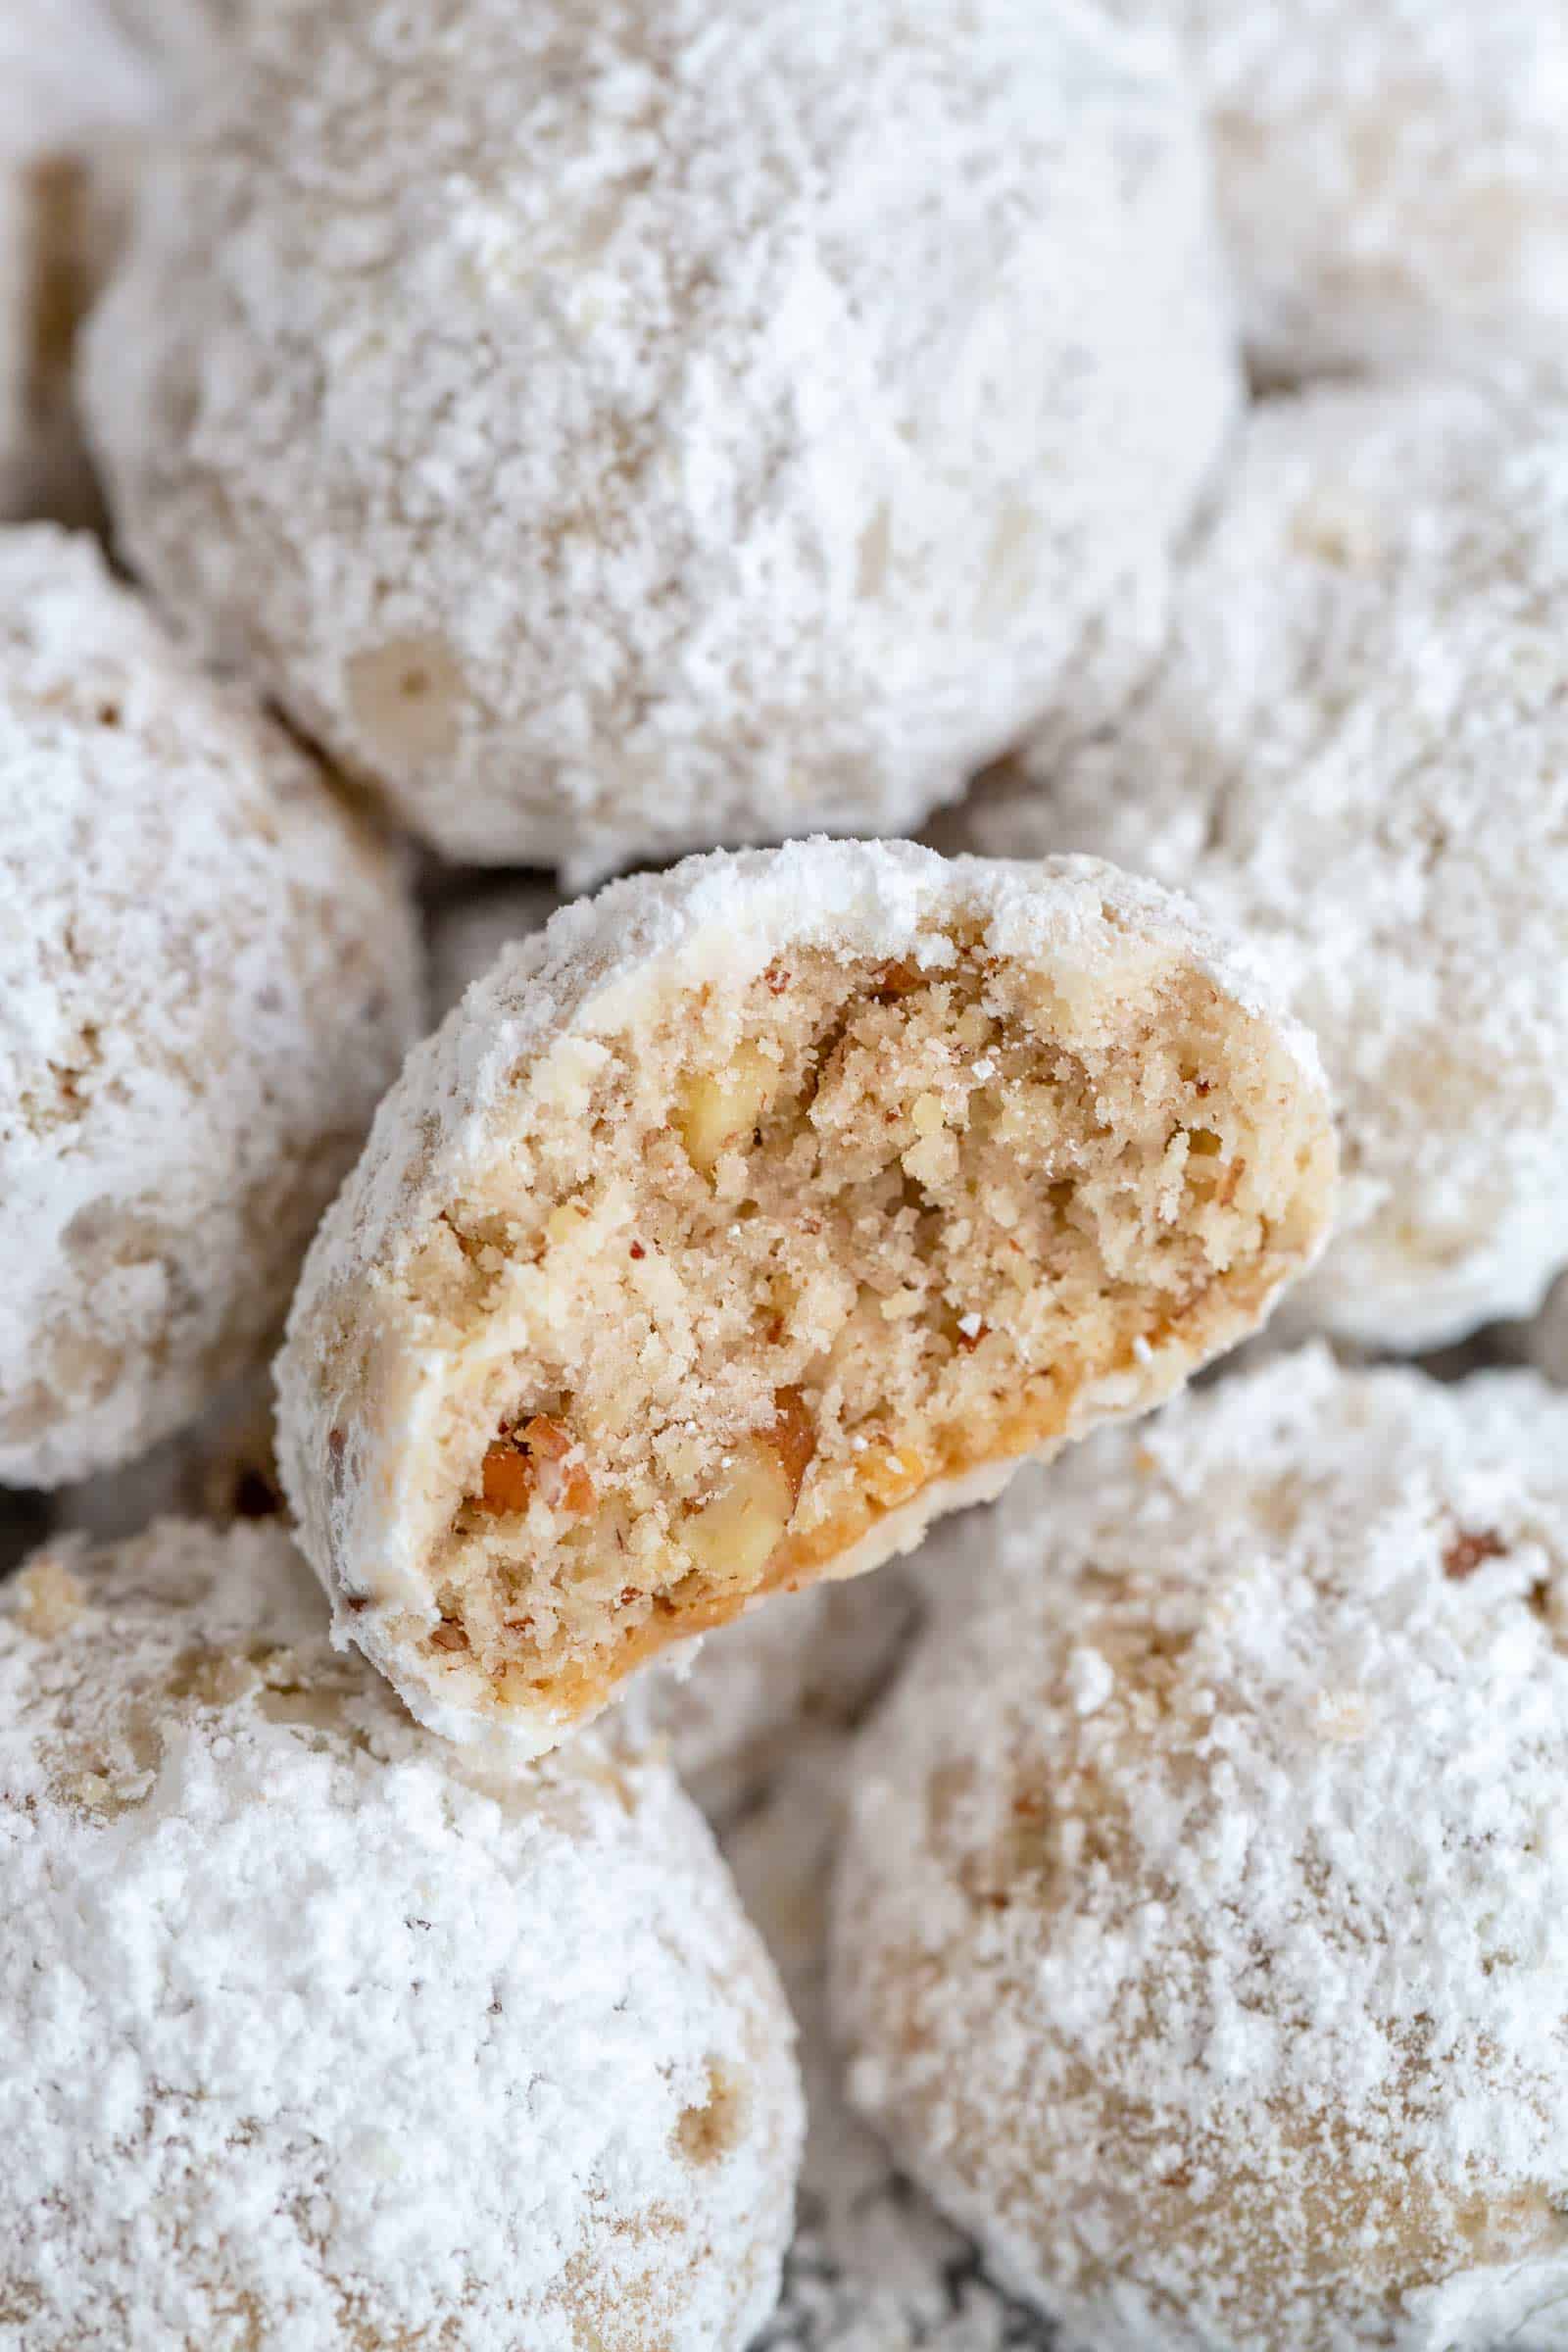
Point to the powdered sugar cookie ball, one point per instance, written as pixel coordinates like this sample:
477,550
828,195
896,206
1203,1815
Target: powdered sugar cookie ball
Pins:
1366,767
1391,173
613,429
316,2036
749,1215
209,972
467,930
1198,1928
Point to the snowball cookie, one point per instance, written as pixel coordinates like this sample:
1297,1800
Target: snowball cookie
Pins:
208,974
220,1467
1391,173
313,2035
1366,767
466,931
1197,1930
749,1215
614,431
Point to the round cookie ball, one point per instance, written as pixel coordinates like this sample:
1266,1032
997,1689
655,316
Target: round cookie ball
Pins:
747,1216
613,429
1366,769
210,972
313,2035
1197,1930
1390,175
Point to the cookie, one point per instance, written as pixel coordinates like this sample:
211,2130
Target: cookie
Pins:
1197,1930
747,1216
614,432
317,2036
210,972
1390,174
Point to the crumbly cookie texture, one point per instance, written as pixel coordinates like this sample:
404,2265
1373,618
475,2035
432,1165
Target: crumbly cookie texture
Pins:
316,2036
587,423
1198,1926
751,1215
1366,767
209,973
465,930
220,1467
1391,173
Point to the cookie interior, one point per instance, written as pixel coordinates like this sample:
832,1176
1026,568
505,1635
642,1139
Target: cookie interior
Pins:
756,1272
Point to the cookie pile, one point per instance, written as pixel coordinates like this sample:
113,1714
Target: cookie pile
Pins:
1018,552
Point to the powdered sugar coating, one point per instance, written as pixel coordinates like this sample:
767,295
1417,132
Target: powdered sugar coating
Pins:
1391,173
617,429
1356,749
1196,1932
209,973
466,931
363,1379
315,2036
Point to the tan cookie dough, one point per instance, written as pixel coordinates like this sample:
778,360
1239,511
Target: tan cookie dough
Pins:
1356,752
1197,1930
613,430
209,973
1391,175
316,2036
747,1216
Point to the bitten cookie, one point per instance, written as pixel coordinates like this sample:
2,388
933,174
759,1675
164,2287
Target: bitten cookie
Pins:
1197,1931
618,429
1355,749
1391,173
313,2035
209,973
749,1215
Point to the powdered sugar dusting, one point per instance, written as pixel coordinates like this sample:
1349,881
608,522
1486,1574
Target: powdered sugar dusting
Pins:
1391,173
316,2036
1231,2009
208,974
1356,751
428,270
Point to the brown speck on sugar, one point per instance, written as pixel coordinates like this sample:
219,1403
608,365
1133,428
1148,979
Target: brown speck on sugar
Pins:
1466,1551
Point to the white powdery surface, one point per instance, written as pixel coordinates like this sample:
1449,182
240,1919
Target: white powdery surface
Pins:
619,428
207,975
1391,173
467,930
1356,751
219,1467
365,1377
311,2036
1198,1926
